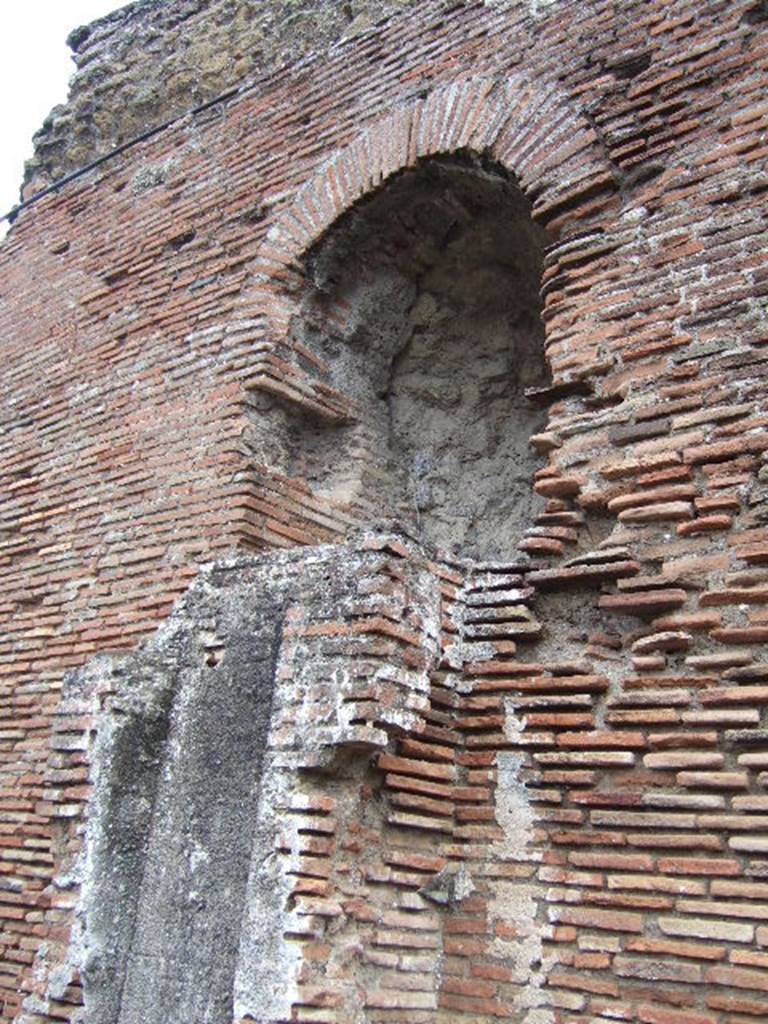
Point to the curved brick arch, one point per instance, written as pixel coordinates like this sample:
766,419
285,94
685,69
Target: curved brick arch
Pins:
533,132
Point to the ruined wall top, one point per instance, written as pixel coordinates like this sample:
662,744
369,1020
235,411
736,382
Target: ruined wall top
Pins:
151,61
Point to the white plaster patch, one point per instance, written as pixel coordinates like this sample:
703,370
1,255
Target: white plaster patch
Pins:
463,885
197,856
515,904
513,725
513,811
535,7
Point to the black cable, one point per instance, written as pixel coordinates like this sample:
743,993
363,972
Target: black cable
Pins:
16,210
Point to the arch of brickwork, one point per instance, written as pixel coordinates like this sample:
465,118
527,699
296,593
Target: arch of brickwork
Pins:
533,132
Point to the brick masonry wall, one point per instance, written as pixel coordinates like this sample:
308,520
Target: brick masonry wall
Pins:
142,307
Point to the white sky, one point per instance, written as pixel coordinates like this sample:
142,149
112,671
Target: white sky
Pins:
34,72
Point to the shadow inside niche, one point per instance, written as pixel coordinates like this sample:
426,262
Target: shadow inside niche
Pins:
424,302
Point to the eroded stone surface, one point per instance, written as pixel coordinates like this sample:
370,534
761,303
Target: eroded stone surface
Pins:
151,61
177,765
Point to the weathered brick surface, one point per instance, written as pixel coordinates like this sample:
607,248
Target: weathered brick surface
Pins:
591,751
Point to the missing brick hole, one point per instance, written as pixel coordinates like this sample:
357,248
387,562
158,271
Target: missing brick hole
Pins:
755,14
179,241
630,67
213,648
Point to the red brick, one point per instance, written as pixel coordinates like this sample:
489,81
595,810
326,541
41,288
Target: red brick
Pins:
648,1014
588,918
738,977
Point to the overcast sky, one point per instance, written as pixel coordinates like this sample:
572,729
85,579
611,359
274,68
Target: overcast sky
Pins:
34,73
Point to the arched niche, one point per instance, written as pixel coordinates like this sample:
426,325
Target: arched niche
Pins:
423,301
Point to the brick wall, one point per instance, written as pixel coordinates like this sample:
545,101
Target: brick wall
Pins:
143,306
